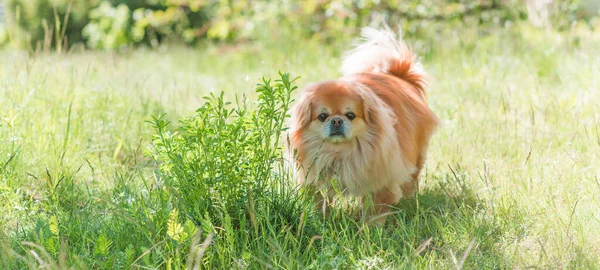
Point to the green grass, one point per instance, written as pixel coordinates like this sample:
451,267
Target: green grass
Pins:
512,178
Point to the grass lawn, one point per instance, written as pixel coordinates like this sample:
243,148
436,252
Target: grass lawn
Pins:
512,178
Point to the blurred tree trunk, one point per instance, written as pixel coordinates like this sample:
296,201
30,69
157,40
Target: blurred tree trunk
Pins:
539,12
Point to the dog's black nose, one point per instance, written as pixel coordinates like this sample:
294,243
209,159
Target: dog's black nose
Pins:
337,122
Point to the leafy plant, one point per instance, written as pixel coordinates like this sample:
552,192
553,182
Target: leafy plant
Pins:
216,161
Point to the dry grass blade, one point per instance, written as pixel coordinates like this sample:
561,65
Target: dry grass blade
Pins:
423,246
374,220
201,250
146,253
38,258
459,264
312,241
196,240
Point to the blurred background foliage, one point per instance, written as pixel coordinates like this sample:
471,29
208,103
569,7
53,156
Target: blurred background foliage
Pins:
102,24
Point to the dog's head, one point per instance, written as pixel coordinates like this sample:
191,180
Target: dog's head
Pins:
335,112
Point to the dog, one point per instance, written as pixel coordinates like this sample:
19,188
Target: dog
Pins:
365,134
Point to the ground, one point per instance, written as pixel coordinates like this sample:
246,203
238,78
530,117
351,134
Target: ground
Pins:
511,179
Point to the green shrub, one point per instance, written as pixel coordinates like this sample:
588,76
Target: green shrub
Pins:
221,159
109,26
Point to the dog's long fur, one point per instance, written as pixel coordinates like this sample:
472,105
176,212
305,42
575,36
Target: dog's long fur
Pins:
392,131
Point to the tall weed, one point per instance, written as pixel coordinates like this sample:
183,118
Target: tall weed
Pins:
219,162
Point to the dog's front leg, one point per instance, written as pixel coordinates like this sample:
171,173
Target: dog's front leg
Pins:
321,197
382,200
324,200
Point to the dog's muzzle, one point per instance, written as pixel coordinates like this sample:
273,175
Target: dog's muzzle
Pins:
336,127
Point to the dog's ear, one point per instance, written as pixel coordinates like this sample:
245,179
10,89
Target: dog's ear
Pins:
301,112
371,106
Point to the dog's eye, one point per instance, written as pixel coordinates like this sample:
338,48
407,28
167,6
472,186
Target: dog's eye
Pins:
351,115
322,117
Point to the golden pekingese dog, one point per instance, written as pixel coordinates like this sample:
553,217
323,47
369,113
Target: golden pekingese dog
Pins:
367,132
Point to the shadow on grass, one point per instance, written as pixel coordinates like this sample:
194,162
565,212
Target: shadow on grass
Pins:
445,225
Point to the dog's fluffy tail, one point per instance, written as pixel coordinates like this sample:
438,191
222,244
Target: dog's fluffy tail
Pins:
381,52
